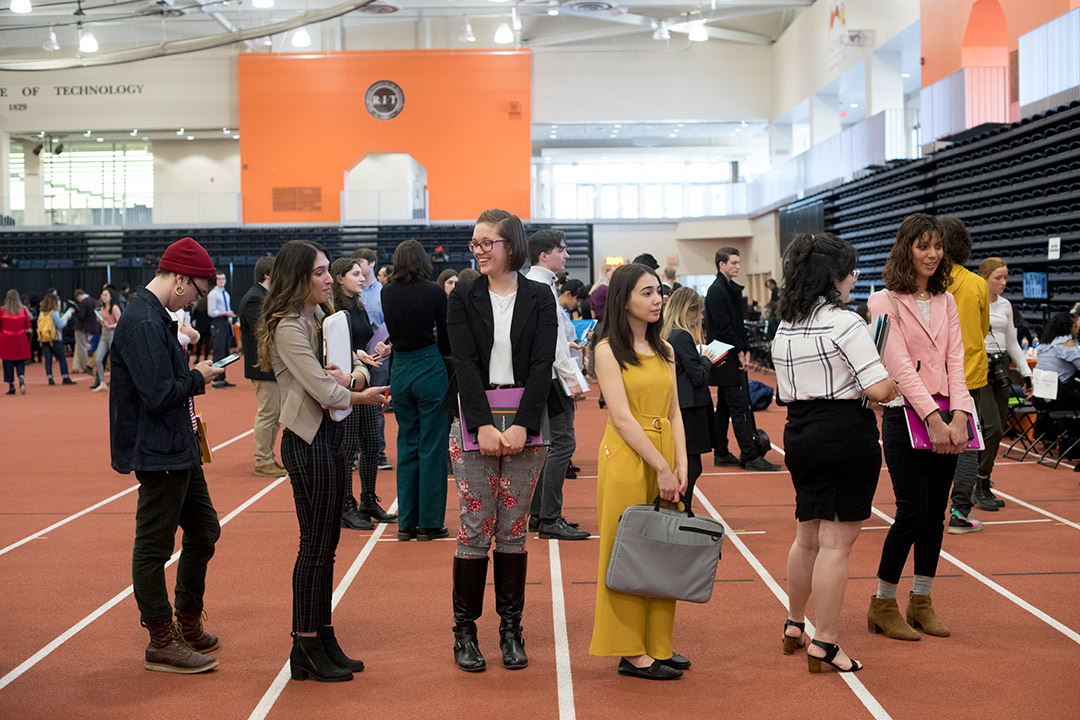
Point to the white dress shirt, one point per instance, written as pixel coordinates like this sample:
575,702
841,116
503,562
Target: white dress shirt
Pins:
564,367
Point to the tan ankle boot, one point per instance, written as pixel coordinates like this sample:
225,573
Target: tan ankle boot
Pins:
884,617
167,651
920,614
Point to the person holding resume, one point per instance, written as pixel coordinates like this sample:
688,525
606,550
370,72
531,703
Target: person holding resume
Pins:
312,449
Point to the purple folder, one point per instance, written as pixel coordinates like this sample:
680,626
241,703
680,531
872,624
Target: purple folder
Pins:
920,434
504,404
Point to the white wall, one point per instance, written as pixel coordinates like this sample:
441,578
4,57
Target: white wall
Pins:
384,186
196,181
689,244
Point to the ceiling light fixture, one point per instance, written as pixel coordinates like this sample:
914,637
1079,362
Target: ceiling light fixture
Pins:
268,41
905,75
854,105
87,42
235,137
86,134
504,35
661,32
20,7
101,139
301,39
224,131
698,32
134,132
262,4
553,8
180,131
467,35
50,44
190,137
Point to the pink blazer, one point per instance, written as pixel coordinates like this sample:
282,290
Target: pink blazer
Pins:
924,360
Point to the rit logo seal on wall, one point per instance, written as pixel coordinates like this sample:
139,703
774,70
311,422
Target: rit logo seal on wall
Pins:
384,100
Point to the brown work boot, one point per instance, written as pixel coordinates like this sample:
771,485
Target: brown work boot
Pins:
884,617
194,634
167,651
920,614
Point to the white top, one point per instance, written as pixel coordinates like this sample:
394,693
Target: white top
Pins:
1002,335
828,356
564,366
924,308
501,362
181,319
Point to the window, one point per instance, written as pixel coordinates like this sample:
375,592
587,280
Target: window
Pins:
98,184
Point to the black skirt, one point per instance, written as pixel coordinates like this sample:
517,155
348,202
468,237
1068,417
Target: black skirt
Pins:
699,424
834,458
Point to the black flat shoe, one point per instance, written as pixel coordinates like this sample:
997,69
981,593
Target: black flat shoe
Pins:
432,533
676,662
406,533
656,671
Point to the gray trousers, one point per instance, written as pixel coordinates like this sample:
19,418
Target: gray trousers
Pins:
494,494
967,463
547,499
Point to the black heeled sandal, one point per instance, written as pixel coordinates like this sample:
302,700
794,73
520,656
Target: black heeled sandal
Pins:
830,649
791,644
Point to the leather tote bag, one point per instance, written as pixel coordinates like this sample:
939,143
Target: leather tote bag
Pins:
665,553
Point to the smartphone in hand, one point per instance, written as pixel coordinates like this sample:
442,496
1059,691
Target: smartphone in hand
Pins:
227,360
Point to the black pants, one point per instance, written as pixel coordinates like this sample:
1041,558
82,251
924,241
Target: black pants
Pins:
13,367
921,480
733,402
167,500
318,473
693,472
362,446
547,498
222,332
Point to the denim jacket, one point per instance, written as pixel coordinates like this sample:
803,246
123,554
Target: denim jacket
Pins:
149,423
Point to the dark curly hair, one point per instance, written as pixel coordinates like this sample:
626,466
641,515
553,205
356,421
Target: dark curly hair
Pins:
899,272
1058,325
812,264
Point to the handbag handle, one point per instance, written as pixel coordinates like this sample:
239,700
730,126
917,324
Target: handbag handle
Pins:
688,511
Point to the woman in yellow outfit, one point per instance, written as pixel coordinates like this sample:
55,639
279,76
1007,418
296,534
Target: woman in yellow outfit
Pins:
642,454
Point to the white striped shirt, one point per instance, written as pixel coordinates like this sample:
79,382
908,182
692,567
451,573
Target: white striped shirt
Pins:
828,356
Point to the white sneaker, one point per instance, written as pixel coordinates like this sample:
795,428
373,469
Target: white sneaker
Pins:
103,387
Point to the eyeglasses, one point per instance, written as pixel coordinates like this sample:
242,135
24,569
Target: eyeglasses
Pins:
199,292
483,245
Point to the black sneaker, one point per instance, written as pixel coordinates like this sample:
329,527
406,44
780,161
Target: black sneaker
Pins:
960,524
760,464
726,460
571,474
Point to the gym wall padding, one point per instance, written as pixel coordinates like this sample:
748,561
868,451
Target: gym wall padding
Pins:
466,119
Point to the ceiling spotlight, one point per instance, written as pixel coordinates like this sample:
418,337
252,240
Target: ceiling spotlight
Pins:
268,41
301,39
190,137
101,139
58,149
50,44
742,123
466,35
134,132
504,35
180,131
698,33
37,149
905,75
854,105
224,131
618,126
86,134
661,32
235,137
87,42
20,7
671,135
553,8
262,4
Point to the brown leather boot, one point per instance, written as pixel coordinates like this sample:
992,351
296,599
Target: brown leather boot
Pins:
884,617
167,651
194,634
920,614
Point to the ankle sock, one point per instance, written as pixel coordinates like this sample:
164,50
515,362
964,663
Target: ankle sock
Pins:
922,585
886,590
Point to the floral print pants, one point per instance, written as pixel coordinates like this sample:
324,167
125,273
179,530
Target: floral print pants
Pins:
494,493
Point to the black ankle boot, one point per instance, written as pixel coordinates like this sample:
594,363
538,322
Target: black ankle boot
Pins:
334,651
369,505
352,519
470,576
309,659
509,602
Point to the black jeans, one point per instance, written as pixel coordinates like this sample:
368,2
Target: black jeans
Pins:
547,498
921,480
167,500
13,367
971,463
733,402
222,332
51,350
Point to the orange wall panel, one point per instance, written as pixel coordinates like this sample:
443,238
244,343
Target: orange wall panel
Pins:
943,24
303,124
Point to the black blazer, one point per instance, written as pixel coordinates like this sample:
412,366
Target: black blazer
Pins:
533,330
724,322
691,370
250,310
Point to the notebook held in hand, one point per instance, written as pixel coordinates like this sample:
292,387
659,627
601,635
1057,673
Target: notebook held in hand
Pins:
504,404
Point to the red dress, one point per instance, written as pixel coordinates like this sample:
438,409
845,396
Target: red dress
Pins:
14,342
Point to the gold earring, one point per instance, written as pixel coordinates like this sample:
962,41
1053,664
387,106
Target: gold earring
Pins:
179,291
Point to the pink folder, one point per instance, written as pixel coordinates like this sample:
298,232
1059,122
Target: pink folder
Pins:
504,404
920,435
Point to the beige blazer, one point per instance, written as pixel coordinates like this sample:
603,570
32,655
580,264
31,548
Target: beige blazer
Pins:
304,386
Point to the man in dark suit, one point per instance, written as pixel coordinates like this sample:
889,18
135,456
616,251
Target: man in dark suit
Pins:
266,389
724,322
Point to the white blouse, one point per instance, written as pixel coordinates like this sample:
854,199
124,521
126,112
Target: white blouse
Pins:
501,362
1002,335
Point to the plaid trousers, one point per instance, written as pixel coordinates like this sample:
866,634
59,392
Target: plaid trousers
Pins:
362,446
318,473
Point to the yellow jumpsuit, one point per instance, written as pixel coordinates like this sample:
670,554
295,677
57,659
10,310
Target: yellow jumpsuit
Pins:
630,625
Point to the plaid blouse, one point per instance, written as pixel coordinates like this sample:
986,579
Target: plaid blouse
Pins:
828,356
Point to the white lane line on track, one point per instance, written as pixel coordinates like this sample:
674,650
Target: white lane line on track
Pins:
74,629
984,522
1017,600
562,642
282,678
861,692
103,503
1037,509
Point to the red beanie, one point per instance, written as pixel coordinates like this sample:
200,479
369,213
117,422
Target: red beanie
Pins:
187,257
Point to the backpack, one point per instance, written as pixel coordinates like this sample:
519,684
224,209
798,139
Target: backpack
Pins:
45,329
761,395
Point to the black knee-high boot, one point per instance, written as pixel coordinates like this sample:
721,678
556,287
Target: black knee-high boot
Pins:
470,576
509,602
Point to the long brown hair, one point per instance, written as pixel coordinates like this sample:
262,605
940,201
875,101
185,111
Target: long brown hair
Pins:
899,272
681,303
290,287
339,269
616,323
12,302
49,303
